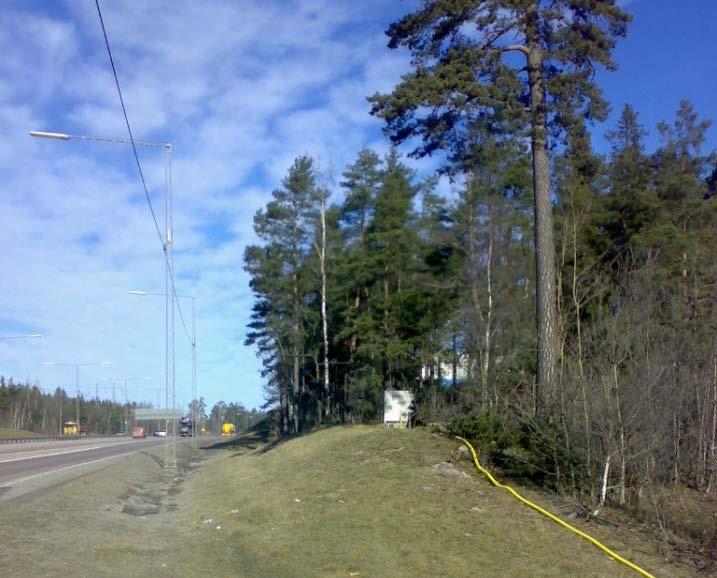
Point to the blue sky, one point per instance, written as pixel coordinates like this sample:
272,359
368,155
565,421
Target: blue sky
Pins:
239,89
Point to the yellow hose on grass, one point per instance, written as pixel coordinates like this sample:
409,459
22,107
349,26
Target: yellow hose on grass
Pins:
614,555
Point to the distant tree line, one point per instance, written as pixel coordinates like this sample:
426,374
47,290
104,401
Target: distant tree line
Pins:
559,305
27,407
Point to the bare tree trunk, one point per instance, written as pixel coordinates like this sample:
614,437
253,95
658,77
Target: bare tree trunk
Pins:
603,488
387,378
473,284
702,399
581,369
676,426
713,449
324,321
489,313
544,247
621,437
293,406
454,360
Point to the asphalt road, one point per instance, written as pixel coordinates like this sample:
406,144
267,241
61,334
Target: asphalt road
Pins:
32,465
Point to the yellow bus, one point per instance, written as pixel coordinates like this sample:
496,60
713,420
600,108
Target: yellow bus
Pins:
71,428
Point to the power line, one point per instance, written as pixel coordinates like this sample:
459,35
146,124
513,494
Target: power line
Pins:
129,129
179,308
141,173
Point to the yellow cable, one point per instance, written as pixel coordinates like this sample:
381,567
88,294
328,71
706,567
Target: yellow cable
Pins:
555,519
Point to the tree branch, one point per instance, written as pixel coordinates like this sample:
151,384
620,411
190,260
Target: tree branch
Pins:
516,48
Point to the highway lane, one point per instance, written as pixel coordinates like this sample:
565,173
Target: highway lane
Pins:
57,444
36,464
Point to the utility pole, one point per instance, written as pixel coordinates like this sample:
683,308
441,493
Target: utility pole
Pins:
170,453
168,244
193,341
125,406
77,387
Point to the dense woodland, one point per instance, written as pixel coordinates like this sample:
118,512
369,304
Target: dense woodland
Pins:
556,305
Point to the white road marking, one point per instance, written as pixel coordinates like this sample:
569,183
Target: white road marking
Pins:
25,479
59,452
50,454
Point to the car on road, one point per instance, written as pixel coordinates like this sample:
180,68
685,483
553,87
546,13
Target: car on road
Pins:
160,433
184,431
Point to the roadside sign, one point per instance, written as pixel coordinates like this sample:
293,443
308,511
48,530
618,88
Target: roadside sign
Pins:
157,413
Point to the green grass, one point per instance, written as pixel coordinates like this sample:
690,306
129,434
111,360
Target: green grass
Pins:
366,501
7,433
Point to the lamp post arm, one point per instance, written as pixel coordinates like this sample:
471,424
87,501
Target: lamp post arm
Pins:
64,136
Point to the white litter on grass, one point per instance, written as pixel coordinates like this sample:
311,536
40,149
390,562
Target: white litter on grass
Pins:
208,521
235,511
164,565
219,527
297,500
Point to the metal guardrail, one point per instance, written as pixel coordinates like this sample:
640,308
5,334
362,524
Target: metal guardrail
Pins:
57,438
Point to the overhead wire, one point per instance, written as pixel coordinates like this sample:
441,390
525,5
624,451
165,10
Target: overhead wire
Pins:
179,309
129,128
141,172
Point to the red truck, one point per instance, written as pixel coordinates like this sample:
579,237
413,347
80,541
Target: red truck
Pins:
138,433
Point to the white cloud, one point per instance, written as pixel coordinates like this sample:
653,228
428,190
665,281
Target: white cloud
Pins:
239,89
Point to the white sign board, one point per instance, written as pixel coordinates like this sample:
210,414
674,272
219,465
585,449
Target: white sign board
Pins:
396,405
159,413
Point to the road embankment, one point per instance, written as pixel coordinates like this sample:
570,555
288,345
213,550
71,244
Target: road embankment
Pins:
368,501
345,501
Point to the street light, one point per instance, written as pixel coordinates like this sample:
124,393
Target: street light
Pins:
77,381
32,336
194,355
168,241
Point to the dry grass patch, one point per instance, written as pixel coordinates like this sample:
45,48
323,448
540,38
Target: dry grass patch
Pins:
7,433
367,501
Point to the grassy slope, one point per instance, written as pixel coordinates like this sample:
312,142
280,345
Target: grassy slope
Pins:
366,501
6,433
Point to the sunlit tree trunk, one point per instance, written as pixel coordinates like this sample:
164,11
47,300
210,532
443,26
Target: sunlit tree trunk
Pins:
544,247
